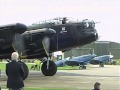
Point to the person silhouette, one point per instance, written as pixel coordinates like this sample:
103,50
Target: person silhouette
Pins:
15,73
97,86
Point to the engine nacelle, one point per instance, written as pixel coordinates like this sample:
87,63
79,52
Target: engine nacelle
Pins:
37,34
14,28
7,33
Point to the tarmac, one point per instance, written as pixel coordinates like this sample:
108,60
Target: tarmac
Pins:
108,76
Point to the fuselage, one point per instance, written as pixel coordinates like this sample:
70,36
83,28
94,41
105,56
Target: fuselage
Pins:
68,35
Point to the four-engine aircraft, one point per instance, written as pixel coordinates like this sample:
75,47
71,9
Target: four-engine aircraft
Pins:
41,39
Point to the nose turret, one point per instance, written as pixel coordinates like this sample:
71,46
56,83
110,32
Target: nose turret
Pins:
85,32
89,28
88,23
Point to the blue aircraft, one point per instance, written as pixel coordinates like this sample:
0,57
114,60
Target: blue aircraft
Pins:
101,60
60,63
77,61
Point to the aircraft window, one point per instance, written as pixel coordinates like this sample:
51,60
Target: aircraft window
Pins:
53,21
92,24
58,20
87,23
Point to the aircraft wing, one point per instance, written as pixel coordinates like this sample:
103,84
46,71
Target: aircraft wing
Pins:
60,63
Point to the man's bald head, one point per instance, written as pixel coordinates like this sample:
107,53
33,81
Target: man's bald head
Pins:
15,56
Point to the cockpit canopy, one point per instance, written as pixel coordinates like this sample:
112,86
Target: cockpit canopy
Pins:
88,23
58,20
63,20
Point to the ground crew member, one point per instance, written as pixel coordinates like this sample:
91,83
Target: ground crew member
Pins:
36,64
32,67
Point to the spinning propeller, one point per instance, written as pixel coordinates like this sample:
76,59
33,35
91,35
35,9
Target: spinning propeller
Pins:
46,40
45,34
46,45
18,44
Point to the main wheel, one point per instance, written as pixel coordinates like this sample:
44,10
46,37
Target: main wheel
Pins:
84,67
51,70
26,70
101,64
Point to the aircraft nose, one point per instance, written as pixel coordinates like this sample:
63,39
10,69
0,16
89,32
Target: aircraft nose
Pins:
96,35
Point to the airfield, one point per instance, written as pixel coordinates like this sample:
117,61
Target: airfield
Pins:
108,76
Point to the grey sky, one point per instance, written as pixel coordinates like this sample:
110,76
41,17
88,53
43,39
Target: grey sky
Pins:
30,11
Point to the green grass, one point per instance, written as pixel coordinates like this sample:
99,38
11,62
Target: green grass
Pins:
3,65
118,62
68,68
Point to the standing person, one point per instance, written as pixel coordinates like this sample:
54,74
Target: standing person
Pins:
39,64
15,73
36,64
32,67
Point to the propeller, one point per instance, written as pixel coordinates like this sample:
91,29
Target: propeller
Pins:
18,44
46,40
46,45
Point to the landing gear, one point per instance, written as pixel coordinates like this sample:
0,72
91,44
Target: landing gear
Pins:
26,70
101,64
82,66
49,68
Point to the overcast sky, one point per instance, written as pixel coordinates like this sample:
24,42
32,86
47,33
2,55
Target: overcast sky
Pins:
29,11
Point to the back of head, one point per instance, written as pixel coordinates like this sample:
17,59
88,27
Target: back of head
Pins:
15,56
97,86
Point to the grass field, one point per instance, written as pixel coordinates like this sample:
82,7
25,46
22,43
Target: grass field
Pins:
118,62
3,65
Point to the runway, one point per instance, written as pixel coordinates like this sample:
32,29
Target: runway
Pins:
108,76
